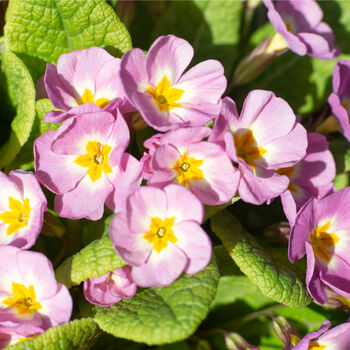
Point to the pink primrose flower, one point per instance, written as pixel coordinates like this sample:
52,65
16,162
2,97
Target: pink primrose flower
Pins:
84,163
160,236
182,157
299,23
323,339
151,144
110,288
322,231
29,293
339,99
263,138
311,177
165,97
17,333
22,207
84,76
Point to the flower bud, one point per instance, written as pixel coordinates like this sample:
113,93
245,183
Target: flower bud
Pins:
234,341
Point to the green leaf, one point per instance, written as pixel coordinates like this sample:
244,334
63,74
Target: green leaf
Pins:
22,94
211,210
272,273
212,27
233,288
79,334
24,158
162,315
347,160
48,28
94,260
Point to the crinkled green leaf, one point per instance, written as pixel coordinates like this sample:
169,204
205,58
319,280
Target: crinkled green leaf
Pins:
94,260
272,273
79,334
25,158
212,27
48,28
22,95
347,160
211,210
233,288
162,315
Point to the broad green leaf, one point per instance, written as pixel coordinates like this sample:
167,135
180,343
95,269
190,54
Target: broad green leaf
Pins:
25,158
22,95
211,210
273,274
233,288
94,260
212,27
347,160
79,334
162,315
48,28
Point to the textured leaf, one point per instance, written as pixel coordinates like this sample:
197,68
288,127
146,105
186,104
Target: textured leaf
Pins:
212,27
95,260
24,158
233,288
162,315
273,274
79,334
22,95
211,210
48,28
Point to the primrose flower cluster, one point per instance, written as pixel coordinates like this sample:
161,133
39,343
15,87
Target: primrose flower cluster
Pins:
261,153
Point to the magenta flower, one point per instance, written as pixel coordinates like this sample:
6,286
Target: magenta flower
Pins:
165,97
182,157
311,177
29,293
84,163
264,138
160,236
339,99
84,76
335,339
321,231
110,288
22,207
299,24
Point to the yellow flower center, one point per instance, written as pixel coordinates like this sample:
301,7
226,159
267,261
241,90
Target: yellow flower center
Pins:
18,217
89,97
24,299
323,242
288,172
316,346
160,233
165,96
96,159
188,169
246,147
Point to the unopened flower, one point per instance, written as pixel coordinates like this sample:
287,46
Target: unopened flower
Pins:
263,138
160,236
22,208
323,339
339,100
310,177
182,157
110,288
299,24
151,144
29,293
84,163
84,76
165,97
321,231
